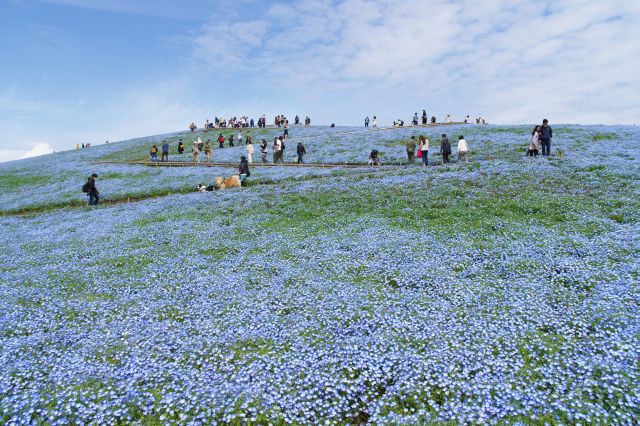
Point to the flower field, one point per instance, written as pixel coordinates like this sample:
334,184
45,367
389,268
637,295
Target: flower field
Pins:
502,291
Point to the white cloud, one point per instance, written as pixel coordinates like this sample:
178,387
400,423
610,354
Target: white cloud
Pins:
573,60
35,150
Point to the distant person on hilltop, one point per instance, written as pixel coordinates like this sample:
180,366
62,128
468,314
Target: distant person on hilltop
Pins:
433,119
445,148
165,151
366,121
375,121
447,119
296,120
423,146
424,117
546,133
411,149
90,189
192,127
414,122
307,121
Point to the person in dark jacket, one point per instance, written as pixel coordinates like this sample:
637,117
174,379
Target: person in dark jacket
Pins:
445,148
94,197
244,170
180,147
546,133
263,151
301,152
411,150
165,151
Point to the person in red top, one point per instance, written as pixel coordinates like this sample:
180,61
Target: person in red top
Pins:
221,140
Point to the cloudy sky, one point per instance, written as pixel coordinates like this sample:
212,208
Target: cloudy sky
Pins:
74,71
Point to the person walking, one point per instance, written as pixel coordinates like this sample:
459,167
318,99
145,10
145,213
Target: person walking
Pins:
366,121
231,141
165,151
463,149
424,117
250,150
301,151
91,190
411,150
286,128
263,151
277,151
445,148
244,170
534,145
423,146
180,147
546,134
207,150
240,137
195,153
221,140
153,153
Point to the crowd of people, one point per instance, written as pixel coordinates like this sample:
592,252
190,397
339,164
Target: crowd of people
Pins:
421,150
246,122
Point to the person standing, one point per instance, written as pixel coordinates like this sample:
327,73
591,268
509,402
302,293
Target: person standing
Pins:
240,137
94,197
244,170
462,149
535,143
165,151
366,121
301,151
195,153
375,121
424,117
207,150
250,150
277,151
445,148
153,153
231,141
286,128
411,150
546,134
263,151
414,122
180,147
423,146
221,140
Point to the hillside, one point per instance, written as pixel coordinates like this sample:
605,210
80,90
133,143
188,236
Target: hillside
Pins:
501,290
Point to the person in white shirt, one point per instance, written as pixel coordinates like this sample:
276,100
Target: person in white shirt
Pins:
423,146
250,150
448,119
277,151
240,137
462,149
375,121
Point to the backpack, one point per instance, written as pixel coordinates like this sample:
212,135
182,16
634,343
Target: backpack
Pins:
85,187
282,145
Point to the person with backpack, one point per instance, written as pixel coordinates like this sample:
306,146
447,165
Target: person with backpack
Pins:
180,147
153,153
244,170
463,149
445,148
301,152
411,150
165,151
90,189
221,140
263,151
546,133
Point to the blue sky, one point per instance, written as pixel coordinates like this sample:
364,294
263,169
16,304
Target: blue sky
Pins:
74,71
